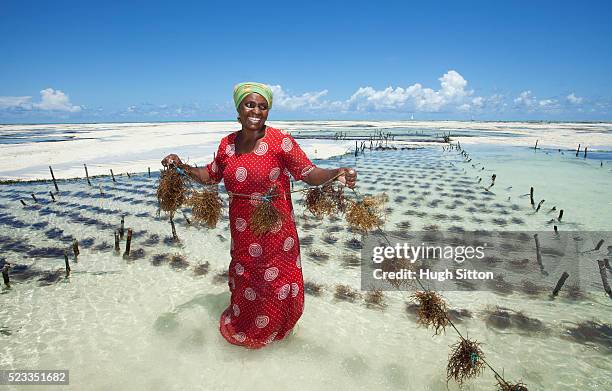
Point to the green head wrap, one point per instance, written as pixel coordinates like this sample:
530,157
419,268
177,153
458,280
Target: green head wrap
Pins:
241,90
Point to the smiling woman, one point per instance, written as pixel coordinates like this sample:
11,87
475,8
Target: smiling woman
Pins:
265,276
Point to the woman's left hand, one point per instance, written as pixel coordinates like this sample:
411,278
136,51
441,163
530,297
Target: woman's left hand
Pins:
348,176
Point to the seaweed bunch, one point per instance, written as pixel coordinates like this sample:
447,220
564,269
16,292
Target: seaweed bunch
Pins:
503,385
205,207
396,265
375,299
366,214
432,310
465,361
265,216
171,190
325,200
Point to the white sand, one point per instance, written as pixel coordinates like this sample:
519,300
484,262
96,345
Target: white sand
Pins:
134,147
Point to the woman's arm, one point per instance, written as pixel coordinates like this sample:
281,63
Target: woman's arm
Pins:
318,176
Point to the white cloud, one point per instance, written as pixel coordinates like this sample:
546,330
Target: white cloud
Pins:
50,100
12,102
308,100
452,94
547,103
55,100
526,99
572,98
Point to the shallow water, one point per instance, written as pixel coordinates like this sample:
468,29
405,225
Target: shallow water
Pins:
150,323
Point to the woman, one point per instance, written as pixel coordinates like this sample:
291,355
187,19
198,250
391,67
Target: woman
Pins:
265,277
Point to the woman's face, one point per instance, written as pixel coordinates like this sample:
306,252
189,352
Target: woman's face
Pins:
253,111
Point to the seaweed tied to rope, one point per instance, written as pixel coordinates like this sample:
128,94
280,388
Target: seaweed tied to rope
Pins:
205,206
465,362
265,217
366,214
432,310
171,190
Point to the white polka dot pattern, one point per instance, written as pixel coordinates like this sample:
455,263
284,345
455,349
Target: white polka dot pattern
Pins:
249,294
255,250
271,273
288,244
241,174
240,224
262,321
262,148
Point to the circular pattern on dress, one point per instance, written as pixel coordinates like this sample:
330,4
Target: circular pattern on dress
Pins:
255,198
230,149
262,148
288,244
240,337
239,269
249,294
241,174
255,250
271,337
262,321
274,173
306,170
286,172
283,292
240,224
236,309
271,273
277,227
286,144
295,288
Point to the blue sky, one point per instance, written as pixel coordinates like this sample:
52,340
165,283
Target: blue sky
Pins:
87,61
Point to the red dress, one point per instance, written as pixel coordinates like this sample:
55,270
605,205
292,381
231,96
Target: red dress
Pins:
265,276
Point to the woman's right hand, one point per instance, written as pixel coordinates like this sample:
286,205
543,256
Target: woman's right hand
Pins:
171,160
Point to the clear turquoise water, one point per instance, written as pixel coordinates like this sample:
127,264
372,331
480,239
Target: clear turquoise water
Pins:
146,324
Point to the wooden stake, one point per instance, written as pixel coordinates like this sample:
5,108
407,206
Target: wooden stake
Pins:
560,215
112,175
531,196
53,177
22,202
5,275
75,249
128,174
122,229
34,197
560,284
87,174
578,150
117,248
585,152
555,228
52,196
536,144
67,263
186,218
539,254
604,277
149,171
174,235
539,205
100,186
599,244
127,243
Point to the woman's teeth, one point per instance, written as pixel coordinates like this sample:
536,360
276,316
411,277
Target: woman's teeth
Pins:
254,120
